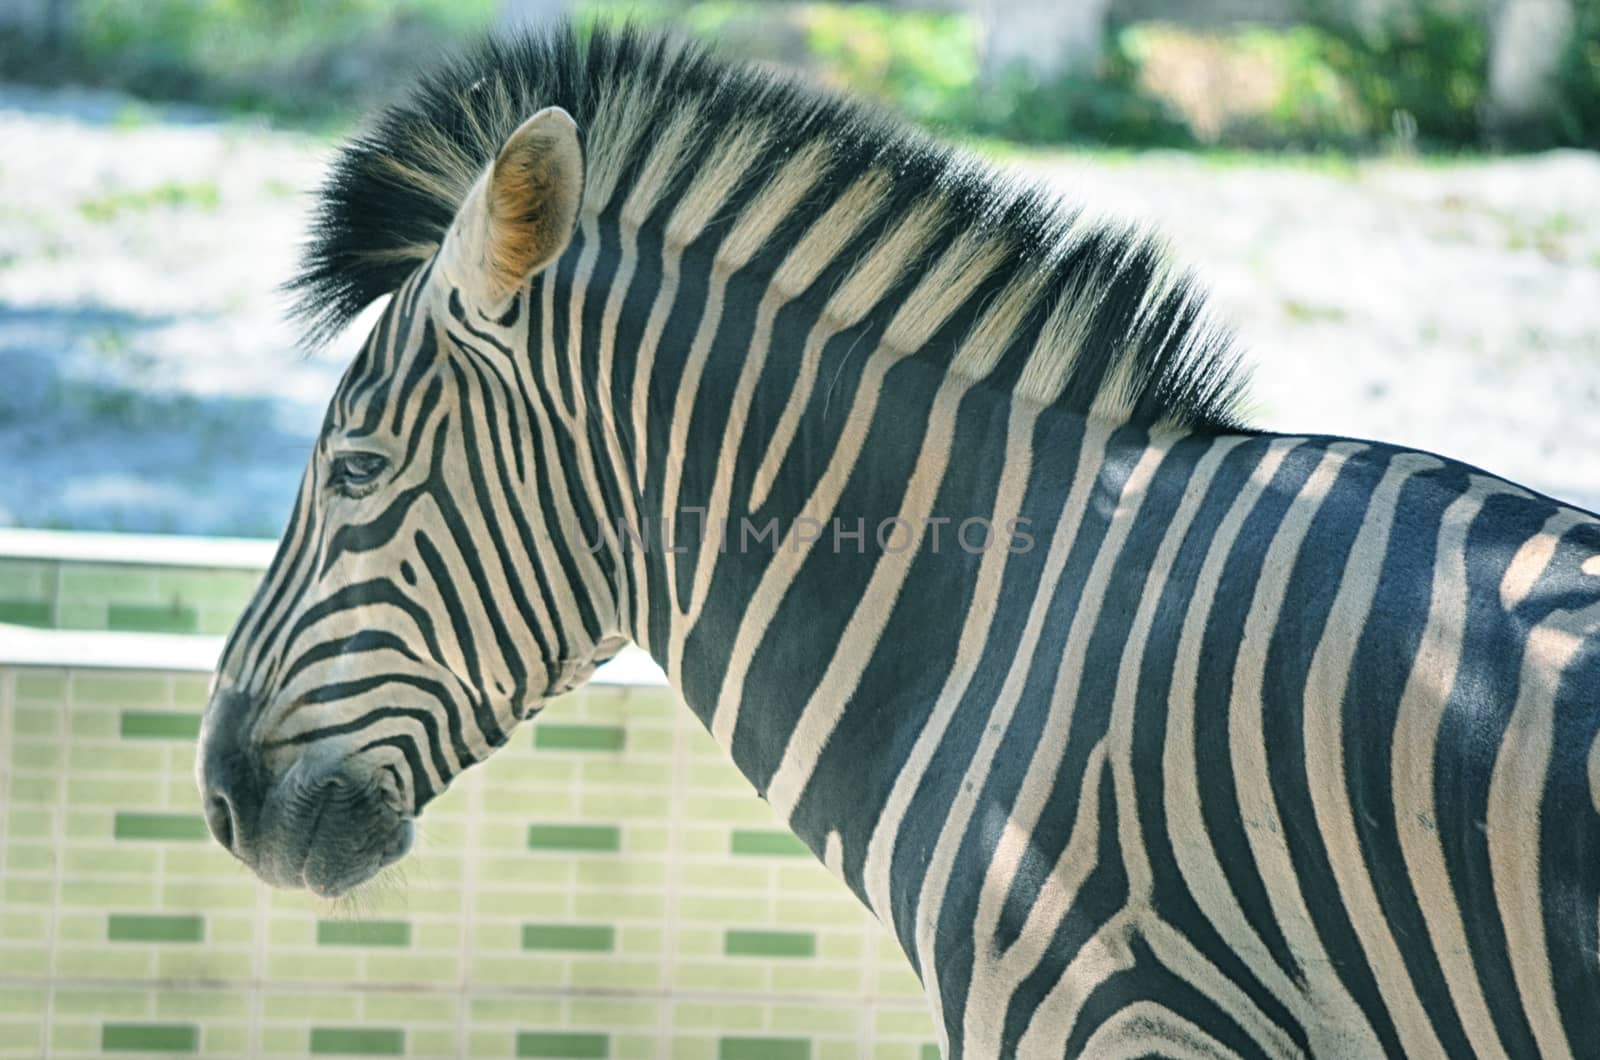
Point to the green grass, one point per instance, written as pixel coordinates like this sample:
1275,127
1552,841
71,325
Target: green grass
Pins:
197,196
1547,234
1306,313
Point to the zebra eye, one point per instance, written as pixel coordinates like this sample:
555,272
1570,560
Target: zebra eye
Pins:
353,474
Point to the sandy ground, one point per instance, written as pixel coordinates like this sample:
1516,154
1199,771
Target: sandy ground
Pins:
149,383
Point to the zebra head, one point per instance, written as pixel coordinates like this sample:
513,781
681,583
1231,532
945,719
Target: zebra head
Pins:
412,616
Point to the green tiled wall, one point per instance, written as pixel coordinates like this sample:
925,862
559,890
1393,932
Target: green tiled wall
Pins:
605,886
143,598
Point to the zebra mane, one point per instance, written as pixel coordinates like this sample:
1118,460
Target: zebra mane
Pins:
1081,315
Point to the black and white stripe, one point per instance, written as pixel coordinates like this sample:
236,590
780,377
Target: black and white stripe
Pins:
1266,747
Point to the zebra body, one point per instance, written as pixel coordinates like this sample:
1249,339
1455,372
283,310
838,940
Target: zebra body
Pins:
1146,733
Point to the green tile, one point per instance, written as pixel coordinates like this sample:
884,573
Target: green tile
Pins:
80,614
101,963
202,1005
40,790
30,858
514,1009
219,623
26,892
620,872
590,937
929,1051
770,944
120,688
834,909
28,1002
563,1045
652,906
767,844
359,1041
819,1019
806,977
41,686
187,826
610,974
647,805
427,1042
139,927
139,759
305,969
226,1041
97,725
202,962
410,1007
99,1004
283,1006
152,618
33,723
192,689
160,725
107,579
626,771
764,1049
31,824
27,577
584,837
149,1037
25,612
548,737
640,1014
141,789
363,933
431,968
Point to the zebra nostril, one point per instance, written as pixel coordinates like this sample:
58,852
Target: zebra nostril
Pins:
219,818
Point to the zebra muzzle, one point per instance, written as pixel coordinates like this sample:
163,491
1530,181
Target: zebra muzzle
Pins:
330,822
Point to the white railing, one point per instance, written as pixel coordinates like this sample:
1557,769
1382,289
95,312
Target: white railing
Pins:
186,653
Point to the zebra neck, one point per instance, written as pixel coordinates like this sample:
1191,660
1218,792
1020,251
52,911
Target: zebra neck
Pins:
820,519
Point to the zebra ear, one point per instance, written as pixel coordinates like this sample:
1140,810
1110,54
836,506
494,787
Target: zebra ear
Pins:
529,203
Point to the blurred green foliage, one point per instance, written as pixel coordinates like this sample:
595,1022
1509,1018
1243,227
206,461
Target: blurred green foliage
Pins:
1420,71
926,65
1418,75
224,34
292,58
1577,115
1250,86
1107,106
921,63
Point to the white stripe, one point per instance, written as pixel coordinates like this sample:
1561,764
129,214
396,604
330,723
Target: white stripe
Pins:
1056,893
970,646
941,863
779,574
1514,816
1197,859
858,644
1257,803
1327,680
1412,758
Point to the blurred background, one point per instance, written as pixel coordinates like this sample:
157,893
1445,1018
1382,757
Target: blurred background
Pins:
1394,201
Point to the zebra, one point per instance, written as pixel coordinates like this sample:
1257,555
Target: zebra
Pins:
1146,732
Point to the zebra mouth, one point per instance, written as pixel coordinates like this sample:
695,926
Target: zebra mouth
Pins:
328,822
354,835
333,880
